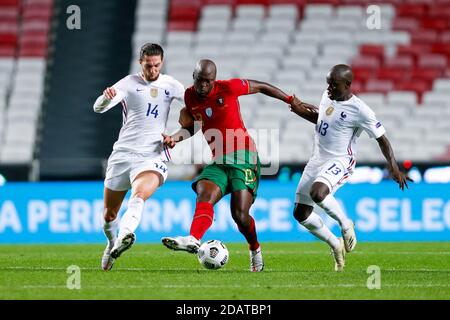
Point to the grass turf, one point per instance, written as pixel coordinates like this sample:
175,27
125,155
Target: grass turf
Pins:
293,271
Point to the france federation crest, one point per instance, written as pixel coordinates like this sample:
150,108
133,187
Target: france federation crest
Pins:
209,112
154,92
329,111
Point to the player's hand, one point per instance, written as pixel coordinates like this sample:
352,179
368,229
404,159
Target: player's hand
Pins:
296,104
168,140
401,178
109,93
299,107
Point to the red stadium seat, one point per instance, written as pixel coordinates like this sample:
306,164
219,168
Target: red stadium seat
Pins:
392,74
181,26
209,2
37,13
357,87
15,3
439,11
33,50
260,2
399,62
368,62
413,50
332,2
375,85
372,50
445,37
184,14
9,12
441,48
438,24
37,38
7,50
362,74
419,87
432,61
426,75
406,24
8,39
411,10
424,36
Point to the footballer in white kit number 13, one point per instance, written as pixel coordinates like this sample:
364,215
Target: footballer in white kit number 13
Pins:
339,120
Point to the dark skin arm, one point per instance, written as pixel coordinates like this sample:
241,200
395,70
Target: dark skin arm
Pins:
304,110
188,129
398,176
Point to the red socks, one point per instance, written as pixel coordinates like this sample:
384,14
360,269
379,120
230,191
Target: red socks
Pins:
203,219
250,234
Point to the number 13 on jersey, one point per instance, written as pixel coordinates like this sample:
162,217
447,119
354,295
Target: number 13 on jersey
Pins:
322,128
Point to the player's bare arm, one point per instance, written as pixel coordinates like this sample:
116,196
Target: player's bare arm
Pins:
268,90
187,124
305,110
399,177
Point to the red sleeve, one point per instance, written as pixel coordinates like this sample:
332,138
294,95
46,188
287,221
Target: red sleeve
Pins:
187,99
239,87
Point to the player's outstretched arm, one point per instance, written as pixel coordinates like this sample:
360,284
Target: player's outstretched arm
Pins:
305,110
399,177
269,90
108,99
187,130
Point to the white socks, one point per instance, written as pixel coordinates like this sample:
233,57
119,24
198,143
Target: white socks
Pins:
315,225
334,210
131,218
110,230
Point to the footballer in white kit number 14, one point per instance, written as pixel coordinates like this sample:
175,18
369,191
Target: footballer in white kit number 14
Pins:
339,120
138,160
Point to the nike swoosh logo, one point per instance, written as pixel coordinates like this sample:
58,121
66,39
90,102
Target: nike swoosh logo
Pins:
139,90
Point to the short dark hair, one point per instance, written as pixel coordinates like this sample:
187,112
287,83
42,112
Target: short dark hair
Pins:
151,49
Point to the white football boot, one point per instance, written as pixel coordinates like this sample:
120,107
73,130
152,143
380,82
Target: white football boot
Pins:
122,244
256,260
107,260
187,243
339,256
349,238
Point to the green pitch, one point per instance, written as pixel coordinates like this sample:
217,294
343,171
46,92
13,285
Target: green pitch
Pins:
293,271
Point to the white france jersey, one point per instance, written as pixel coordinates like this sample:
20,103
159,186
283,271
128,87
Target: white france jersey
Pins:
145,108
339,124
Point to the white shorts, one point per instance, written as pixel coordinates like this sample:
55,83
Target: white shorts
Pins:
121,174
334,173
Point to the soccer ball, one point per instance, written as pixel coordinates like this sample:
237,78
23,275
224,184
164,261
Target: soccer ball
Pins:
213,254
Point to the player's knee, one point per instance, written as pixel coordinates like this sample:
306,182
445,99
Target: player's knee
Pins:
110,214
317,194
241,217
205,196
301,213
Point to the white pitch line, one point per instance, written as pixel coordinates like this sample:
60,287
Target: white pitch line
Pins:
176,286
192,269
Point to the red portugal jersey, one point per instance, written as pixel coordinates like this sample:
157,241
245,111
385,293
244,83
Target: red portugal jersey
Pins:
220,115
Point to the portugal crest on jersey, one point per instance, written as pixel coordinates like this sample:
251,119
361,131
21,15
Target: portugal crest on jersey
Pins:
209,112
329,110
154,92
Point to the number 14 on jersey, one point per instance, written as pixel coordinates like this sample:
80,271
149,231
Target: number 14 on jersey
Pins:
153,111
